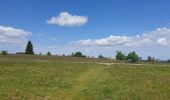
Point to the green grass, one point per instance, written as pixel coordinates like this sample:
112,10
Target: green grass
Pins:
58,80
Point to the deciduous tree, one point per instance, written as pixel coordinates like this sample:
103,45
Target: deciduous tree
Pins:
132,57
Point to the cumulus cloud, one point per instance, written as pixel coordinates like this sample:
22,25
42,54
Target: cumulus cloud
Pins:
12,36
67,19
117,40
163,41
146,39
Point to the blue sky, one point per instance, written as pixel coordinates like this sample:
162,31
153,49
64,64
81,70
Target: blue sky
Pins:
92,26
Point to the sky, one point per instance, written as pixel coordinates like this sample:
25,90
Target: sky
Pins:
93,27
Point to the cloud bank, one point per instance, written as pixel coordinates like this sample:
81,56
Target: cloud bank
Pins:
159,37
11,36
66,19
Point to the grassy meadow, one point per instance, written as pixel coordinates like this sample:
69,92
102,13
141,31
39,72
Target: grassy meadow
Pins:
66,78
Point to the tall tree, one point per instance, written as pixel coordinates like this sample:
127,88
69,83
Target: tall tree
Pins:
4,52
78,54
120,55
168,61
29,48
48,53
133,57
101,56
149,58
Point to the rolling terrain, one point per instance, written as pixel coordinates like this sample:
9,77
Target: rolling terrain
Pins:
24,77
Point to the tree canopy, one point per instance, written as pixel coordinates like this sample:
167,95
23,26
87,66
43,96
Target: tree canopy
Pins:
78,54
133,57
120,55
101,57
49,53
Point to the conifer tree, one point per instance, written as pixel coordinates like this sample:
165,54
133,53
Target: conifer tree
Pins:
29,48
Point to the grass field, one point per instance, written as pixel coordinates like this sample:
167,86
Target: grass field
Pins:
52,78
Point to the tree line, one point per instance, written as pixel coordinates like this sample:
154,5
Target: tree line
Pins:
131,57
120,56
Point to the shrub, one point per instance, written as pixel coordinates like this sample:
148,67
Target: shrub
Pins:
20,53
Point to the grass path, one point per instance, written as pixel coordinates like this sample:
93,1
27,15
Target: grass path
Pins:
129,64
80,83
84,79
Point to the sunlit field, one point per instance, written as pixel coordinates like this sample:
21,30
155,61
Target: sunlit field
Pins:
67,78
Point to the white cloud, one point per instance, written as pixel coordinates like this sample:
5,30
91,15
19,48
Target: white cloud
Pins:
109,41
163,41
146,39
52,47
116,40
12,36
66,19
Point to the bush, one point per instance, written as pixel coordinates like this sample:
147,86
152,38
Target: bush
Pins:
20,53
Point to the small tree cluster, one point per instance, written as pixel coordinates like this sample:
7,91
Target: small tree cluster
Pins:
102,57
78,54
20,53
131,57
4,52
120,55
151,59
